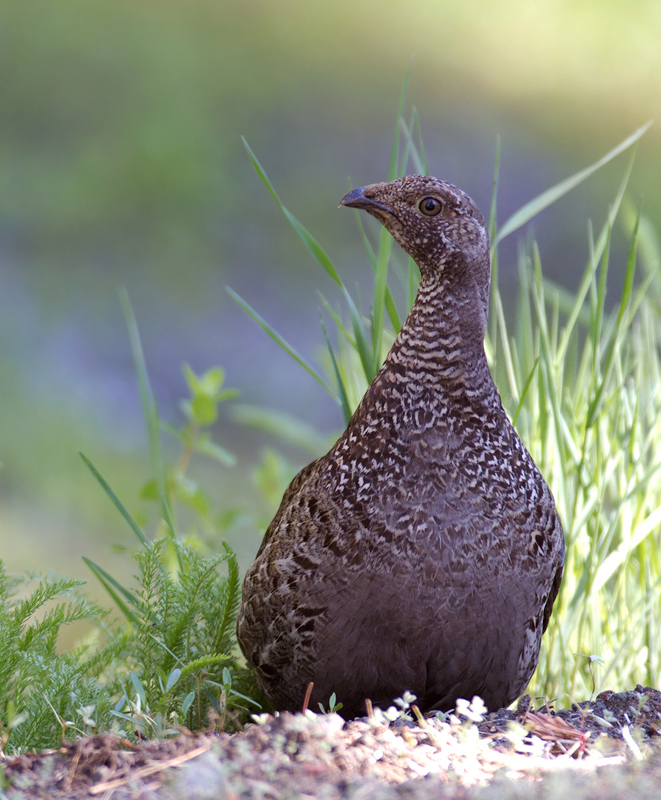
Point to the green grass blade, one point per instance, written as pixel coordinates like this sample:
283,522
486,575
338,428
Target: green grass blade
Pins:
600,300
391,308
149,406
263,324
507,355
524,392
341,387
366,242
392,166
627,290
115,590
614,208
308,240
385,245
408,151
314,247
421,149
390,303
362,340
492,237
337,320
545,199
413,282
118,504
623,312
380,284
414,152
494,193
577,308
172,531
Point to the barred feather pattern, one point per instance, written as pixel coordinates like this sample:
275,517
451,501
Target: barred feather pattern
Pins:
424,551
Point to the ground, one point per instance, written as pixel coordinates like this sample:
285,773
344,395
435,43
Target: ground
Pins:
605,748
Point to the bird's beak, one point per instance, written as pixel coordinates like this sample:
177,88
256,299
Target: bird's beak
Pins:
357,198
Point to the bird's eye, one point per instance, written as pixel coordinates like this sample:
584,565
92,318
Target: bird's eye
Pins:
430,206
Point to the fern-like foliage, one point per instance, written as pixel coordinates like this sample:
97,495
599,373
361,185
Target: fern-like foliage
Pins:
42,692
184,641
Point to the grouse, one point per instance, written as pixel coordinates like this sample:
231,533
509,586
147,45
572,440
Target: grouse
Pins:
424,551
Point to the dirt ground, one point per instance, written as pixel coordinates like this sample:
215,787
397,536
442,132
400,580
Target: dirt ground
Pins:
605,748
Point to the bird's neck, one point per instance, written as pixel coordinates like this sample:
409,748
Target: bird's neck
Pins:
440,348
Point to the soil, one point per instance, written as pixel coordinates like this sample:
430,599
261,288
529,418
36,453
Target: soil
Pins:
604,748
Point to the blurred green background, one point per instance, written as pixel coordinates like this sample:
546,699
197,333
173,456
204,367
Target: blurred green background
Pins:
121,164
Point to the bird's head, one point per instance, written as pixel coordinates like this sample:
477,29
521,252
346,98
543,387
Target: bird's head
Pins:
434,222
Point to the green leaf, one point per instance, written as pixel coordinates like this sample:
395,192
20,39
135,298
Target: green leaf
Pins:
150,490
284,426
182,435
208,384
204,409
212,380
206,447
191,379
173,677
199,501
139,689
188,702
226,394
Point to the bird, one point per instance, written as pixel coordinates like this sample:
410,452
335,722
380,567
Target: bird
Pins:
423,553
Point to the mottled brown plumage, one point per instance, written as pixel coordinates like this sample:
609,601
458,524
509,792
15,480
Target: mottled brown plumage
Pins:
424,551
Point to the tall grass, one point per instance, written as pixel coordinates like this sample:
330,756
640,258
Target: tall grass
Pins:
580,380
583,385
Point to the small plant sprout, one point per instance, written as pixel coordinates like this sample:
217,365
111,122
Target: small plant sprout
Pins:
473,710
333,705
401,708
86,713
260,719
229,695
592,661
405,701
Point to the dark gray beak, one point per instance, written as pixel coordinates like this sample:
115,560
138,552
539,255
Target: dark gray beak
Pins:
356,198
